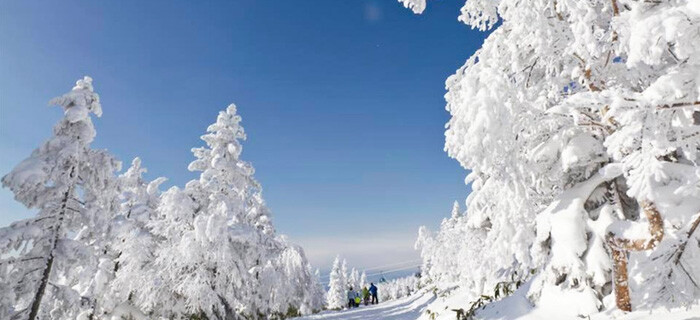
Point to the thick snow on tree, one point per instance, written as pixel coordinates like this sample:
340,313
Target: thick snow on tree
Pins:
104,246
580,123
345,277
132,242
219,256
50,265
443,253
286,285
397,288
354,280
318,294
336,299
363,280
221,168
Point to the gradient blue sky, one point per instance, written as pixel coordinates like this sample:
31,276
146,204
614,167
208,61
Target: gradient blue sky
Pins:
342,101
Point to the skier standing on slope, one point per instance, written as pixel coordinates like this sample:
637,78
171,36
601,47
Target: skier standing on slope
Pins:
351,298
373,292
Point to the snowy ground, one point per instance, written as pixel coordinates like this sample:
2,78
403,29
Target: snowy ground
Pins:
516,306
513,307
409,308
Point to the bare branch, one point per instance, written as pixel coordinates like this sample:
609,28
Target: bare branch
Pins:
679,105
681,248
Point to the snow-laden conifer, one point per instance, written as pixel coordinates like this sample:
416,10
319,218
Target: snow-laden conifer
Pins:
132,242
318,292
345,276
579,123
336,298
52,265
354,280
220,256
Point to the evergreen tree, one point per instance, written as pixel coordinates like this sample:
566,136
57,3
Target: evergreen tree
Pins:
344,275
219,255
318,293
207,257
578,122
53,262
133,243
335,299
355,279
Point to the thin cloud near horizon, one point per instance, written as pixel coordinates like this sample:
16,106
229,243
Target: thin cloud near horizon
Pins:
361,251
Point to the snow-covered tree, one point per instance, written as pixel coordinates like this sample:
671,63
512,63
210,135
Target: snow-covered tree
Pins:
202,260
132,242
318,293
50,265
219,256
580,124
345,277
354,280
335,299
174,218
397,288
288,287
363,280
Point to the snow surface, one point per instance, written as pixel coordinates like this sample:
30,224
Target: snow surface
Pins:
408,308
515,306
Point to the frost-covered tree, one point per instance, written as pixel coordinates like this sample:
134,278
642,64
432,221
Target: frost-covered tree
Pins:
218,254
318,293
287,285
335,299
345,277
363,280
354,280
132,242
456,248
173,218
50,265
397,288
580,123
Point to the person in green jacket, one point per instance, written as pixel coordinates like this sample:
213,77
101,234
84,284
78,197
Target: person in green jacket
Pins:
365,295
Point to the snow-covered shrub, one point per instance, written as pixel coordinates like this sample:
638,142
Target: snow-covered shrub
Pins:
397,288
580,123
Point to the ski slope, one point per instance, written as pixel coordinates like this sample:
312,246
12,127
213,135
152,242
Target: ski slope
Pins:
408,308
510,308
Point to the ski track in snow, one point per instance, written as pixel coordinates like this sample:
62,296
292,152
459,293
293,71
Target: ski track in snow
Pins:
408,308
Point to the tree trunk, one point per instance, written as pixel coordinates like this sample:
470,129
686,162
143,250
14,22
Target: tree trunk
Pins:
36,303
620,248
622,291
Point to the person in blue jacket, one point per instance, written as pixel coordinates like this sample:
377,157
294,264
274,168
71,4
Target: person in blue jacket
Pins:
373,292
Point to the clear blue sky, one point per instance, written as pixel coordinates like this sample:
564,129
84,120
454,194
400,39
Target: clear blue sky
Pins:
342,101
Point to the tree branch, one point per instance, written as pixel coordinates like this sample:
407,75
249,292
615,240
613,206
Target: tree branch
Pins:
620,246
681,248
679,105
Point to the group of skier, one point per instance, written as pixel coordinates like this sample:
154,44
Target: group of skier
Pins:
356,297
